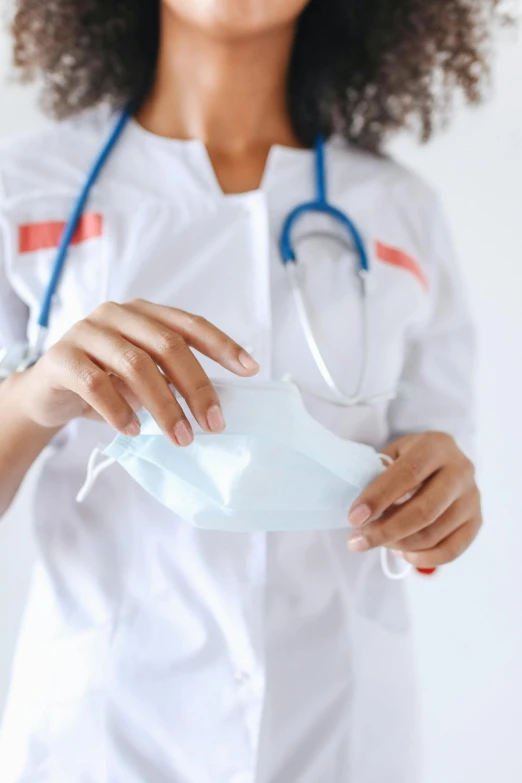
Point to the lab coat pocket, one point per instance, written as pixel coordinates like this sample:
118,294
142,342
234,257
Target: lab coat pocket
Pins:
35,231
378,598
384,702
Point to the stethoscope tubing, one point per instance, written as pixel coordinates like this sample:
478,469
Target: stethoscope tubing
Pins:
74,219
319,205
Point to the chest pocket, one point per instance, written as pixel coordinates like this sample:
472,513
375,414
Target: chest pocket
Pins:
355,345
36,228
350,332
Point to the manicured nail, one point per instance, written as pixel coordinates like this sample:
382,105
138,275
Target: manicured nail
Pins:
248,362
183,433
133,429
358,544
215,419
359,515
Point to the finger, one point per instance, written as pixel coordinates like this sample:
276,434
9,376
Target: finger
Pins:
421,511
170,351
201,335
448,549
140,373
462,509
405,475
392,449
127,394
76,372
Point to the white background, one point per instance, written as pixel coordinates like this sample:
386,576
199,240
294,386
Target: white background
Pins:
469,617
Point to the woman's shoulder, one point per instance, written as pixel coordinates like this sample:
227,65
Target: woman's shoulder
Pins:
381,173
388,192
53,156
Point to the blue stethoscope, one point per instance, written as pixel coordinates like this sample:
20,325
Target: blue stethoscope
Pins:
20,357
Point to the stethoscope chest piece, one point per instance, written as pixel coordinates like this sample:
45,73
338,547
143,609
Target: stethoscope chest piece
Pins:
333,224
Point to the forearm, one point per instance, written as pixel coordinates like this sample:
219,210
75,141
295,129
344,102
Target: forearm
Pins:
21,439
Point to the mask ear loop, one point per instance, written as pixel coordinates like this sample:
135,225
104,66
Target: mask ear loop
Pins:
388,572
385,553
93,471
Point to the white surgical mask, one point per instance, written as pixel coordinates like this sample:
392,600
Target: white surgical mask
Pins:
274,467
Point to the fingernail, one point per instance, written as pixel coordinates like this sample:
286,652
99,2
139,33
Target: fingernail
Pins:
215,419
404,499
359,515
358,544
133,429
183,433
248,362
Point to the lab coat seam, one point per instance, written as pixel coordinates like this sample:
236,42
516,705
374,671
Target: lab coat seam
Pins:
103,193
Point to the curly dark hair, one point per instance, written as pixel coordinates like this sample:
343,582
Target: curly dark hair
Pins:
362,68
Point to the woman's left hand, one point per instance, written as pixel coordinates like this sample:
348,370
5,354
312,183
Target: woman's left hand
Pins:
426,505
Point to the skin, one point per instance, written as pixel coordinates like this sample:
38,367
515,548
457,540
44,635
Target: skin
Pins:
225,83
425,506
221,77
106,367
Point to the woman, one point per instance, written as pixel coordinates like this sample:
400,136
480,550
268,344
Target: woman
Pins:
153,651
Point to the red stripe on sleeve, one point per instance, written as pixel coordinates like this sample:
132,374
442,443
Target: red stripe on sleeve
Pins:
396,257
45,236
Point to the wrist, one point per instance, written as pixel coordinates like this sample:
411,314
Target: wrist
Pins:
16,394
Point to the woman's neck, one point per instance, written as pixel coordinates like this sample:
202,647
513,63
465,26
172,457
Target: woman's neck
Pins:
229,92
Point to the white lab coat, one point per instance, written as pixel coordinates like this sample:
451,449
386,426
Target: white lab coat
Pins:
152,652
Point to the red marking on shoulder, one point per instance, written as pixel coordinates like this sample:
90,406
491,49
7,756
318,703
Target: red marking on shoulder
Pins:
47,235
396,257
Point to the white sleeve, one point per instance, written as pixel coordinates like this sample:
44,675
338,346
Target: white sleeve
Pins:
14,313
437,382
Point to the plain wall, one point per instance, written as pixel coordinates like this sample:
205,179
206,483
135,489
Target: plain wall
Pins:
468,625
469,618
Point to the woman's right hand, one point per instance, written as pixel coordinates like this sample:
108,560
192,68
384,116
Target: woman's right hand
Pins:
107,364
